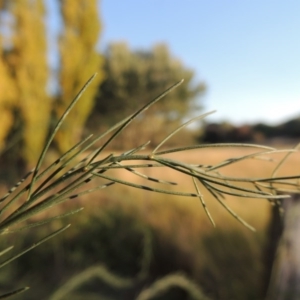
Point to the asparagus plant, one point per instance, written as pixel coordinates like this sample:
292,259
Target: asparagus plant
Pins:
68,177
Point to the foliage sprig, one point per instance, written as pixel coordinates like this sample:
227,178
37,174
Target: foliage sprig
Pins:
69,176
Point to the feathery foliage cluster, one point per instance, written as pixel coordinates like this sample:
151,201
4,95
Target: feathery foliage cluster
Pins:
68,178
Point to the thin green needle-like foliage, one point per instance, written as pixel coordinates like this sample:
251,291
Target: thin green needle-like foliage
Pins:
96,169
48,237
73,175
15,292
179,128
83,173
41,158
6,250
131,118
203,202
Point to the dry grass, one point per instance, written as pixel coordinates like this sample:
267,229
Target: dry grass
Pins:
164,211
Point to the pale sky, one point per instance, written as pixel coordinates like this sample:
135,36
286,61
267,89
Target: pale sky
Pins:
247,51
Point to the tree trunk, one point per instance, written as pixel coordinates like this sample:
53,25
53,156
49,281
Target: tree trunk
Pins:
285,278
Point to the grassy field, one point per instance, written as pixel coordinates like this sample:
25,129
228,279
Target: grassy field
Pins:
230,255
255,211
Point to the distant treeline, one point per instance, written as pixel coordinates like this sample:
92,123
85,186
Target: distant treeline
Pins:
226,132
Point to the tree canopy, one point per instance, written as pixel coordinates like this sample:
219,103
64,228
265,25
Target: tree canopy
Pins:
134,77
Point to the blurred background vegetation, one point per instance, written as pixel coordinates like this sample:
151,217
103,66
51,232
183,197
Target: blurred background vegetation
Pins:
136,236
126,80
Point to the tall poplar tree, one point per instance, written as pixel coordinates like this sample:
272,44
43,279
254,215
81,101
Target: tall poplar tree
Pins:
7,86
8,95
28,64
79,60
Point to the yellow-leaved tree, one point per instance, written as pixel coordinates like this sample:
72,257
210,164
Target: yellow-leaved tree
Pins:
7,99
28,64
79,59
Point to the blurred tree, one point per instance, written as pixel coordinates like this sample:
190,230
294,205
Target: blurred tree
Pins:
135,77
7,100
27,65
79,60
